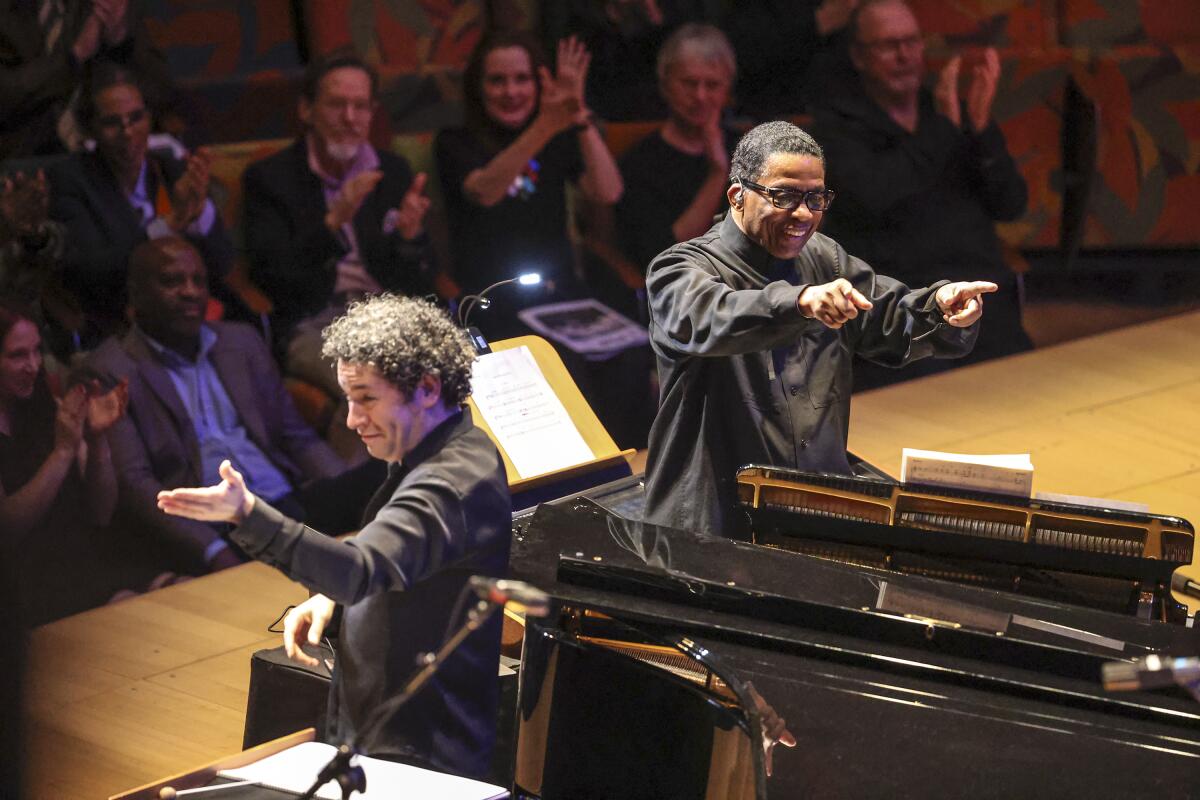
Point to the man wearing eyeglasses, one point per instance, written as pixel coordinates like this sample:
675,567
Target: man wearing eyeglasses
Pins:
922,175
330,218
754,324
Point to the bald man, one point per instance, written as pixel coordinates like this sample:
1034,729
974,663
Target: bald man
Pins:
199,392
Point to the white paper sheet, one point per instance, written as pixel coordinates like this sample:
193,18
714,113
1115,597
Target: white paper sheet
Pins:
525,414
1004,473
294,770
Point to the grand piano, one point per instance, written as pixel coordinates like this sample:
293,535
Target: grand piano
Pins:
668,652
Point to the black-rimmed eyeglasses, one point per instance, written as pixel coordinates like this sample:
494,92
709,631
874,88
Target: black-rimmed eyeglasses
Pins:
790,199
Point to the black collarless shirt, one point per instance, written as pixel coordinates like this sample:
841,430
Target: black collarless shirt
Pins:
442,515
747,379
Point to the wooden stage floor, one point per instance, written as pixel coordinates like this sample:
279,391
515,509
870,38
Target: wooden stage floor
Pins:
156,685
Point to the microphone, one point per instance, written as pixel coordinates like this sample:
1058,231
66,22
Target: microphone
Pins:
529,599
1182,583
1152,672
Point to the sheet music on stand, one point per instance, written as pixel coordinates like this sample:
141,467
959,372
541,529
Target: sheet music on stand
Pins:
294,770
526,416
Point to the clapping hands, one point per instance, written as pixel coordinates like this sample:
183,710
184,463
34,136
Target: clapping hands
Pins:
105,408
981,93
410,214
190,192
562,102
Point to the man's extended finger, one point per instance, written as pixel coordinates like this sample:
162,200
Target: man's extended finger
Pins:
973,288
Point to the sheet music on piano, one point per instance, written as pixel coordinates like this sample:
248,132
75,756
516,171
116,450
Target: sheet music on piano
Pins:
1004,473
527,417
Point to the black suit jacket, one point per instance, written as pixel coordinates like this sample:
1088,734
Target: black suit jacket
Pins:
293,255
102,229
35,86
154,446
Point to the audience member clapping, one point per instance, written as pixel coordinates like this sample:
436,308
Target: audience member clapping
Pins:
504,175
922,176
331,218
624,37
675,179
57,485
44,46
124,193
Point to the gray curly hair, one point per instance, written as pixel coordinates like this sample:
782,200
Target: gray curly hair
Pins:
405,339
755,149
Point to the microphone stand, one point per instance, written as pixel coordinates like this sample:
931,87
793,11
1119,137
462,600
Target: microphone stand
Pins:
343,767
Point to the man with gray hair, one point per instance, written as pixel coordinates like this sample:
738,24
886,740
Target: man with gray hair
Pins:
754,324
675,178
443,514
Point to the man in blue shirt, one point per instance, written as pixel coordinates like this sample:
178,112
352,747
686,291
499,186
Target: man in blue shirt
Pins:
199,393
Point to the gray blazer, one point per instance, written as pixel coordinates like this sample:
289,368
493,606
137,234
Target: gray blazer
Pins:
154,446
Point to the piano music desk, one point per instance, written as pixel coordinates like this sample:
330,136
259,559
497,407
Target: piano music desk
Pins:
1113,416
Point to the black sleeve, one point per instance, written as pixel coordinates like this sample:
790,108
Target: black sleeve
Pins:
885,174
903,324
694,313
644,218
27,87
457,154
1000,185
420,528
282,241
92,262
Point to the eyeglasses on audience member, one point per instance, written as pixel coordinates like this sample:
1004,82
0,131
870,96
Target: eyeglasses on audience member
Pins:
790,199
118,121
894,45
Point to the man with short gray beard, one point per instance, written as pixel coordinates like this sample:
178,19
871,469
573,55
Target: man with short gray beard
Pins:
331,218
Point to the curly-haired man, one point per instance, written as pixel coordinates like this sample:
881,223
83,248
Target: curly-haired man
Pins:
442,515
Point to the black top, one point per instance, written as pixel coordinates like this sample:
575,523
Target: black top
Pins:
442,515
920,205
784,64
660,183
62,564
103,229
293,255
527,230
747,379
